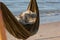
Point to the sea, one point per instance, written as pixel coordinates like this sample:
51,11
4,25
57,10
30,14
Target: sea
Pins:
49,10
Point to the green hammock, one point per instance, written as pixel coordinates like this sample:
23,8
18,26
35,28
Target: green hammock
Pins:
17,29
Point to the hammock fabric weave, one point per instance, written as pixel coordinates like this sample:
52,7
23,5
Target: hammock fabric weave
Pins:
17,29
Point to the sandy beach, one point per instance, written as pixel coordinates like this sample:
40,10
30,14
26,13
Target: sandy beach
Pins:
50,31
49,28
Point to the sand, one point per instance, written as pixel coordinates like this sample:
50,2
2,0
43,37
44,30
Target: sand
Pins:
50,31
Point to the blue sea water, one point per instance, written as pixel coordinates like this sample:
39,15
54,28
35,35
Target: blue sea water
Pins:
49,10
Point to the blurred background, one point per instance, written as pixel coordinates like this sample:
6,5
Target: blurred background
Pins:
49,9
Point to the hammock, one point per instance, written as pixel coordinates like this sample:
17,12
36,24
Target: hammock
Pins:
17,29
